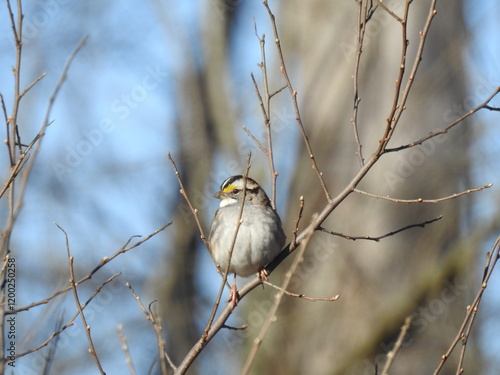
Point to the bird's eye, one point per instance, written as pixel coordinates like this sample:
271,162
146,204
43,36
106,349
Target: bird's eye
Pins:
236,191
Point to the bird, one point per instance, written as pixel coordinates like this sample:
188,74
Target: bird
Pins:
260,236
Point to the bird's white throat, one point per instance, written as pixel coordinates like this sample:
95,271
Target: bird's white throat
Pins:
227,202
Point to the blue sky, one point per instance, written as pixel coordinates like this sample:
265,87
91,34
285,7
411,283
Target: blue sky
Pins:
106,121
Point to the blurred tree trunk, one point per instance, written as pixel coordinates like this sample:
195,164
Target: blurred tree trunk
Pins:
203,121
379,283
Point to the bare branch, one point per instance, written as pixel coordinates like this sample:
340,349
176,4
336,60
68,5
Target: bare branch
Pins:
79,306
293,94
377,239
153,317
71,321
230,255
25,91
303,296
394,15
362,20
399,101
265,105
274,308
451,125
420,200
194,211
104,261
259,145
296,230
397,346
492,108
463,333
123,340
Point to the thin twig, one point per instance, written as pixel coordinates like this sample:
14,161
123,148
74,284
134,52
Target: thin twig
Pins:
194,211
25,91
420,200
92,350
448,127
394,15
153,317
316,222
265,104
362,13
397,108
46,122
71,321
300,295
49,357
297,222
231,328
160,342
105,260
492,108
259,145
464,330
123,340
377,239
293,94
230,253
274,308
397,346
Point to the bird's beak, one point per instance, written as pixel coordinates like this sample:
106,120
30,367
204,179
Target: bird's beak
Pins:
219,195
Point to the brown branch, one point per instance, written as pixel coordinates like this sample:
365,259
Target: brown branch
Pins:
30,86
194,211
36,142
71,321
279,90
420,200
92,350
153,317
377,239
230,255
362,20
492,108
296,230
393,15
265,105
332,203
259,145
463,333
399,101
397,346
123,340
303,296
392,120
293,94
105,260
448,127
241,328
274,308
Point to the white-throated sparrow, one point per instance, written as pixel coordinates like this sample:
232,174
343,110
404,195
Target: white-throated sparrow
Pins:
260,236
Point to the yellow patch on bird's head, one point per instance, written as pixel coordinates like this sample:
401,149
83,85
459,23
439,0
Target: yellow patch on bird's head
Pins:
229,188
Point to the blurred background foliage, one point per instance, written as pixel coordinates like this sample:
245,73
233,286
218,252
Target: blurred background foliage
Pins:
164,76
